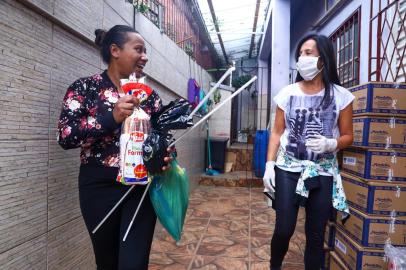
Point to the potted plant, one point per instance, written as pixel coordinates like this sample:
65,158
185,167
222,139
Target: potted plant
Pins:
240,81
141,6
188,49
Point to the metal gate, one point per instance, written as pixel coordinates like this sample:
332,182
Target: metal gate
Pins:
250,109
387,41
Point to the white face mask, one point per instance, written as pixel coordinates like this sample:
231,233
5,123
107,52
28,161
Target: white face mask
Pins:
307,67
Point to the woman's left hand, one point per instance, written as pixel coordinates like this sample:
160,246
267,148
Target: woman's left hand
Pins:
169,158
321,144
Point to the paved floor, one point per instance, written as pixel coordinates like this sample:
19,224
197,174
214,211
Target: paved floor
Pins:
226,228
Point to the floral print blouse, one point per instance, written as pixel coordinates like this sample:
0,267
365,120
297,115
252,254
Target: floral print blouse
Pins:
87,121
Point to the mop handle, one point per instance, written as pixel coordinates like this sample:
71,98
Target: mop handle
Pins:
208,145
112,210
136,211
225,75
215,109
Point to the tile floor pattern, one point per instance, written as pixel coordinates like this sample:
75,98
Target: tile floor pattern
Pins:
225,228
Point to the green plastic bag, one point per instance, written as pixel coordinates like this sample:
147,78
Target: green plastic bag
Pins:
169,194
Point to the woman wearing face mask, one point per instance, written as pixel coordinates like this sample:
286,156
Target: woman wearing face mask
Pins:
92,112
313,121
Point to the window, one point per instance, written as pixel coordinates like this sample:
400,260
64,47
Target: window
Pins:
346,47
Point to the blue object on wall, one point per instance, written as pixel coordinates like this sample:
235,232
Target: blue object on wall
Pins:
260,152
204,109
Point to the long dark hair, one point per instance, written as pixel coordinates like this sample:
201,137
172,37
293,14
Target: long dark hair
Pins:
116,35
329,72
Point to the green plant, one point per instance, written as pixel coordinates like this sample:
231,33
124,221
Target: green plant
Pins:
188,49
240,81
141,7
216,96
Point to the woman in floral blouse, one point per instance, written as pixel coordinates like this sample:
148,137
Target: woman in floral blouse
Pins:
92,112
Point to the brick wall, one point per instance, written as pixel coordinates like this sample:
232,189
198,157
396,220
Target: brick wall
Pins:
40,221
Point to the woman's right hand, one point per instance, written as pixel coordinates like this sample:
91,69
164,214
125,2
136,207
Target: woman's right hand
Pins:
269,177
124,107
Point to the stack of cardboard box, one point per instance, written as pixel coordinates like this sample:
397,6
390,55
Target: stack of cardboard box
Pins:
374,179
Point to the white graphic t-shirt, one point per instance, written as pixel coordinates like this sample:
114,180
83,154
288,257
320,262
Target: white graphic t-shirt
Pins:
306,117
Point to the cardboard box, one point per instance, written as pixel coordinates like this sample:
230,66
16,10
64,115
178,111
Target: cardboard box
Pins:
380,132
375,165
373,231
375,198
379,98
356,257
336,263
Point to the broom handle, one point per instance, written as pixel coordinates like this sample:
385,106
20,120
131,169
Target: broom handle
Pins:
215,109
136,211
112,210
208,145
206,97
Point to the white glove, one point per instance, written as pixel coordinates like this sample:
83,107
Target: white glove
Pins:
269,177
321,144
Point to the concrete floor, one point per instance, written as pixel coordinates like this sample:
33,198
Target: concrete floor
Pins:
225,228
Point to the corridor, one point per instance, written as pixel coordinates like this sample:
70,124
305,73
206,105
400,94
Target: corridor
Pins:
225,228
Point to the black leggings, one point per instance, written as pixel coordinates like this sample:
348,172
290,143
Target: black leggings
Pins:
98,193
318,208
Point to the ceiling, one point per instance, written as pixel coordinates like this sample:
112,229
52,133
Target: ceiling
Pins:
230,25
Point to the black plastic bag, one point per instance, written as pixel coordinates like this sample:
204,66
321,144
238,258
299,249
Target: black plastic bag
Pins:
175,115
154,150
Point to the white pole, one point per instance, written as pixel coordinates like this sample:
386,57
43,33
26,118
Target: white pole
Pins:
112,210
215,109
136,211
206,97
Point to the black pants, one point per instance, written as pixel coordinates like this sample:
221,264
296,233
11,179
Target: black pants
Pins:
98,193
318,208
